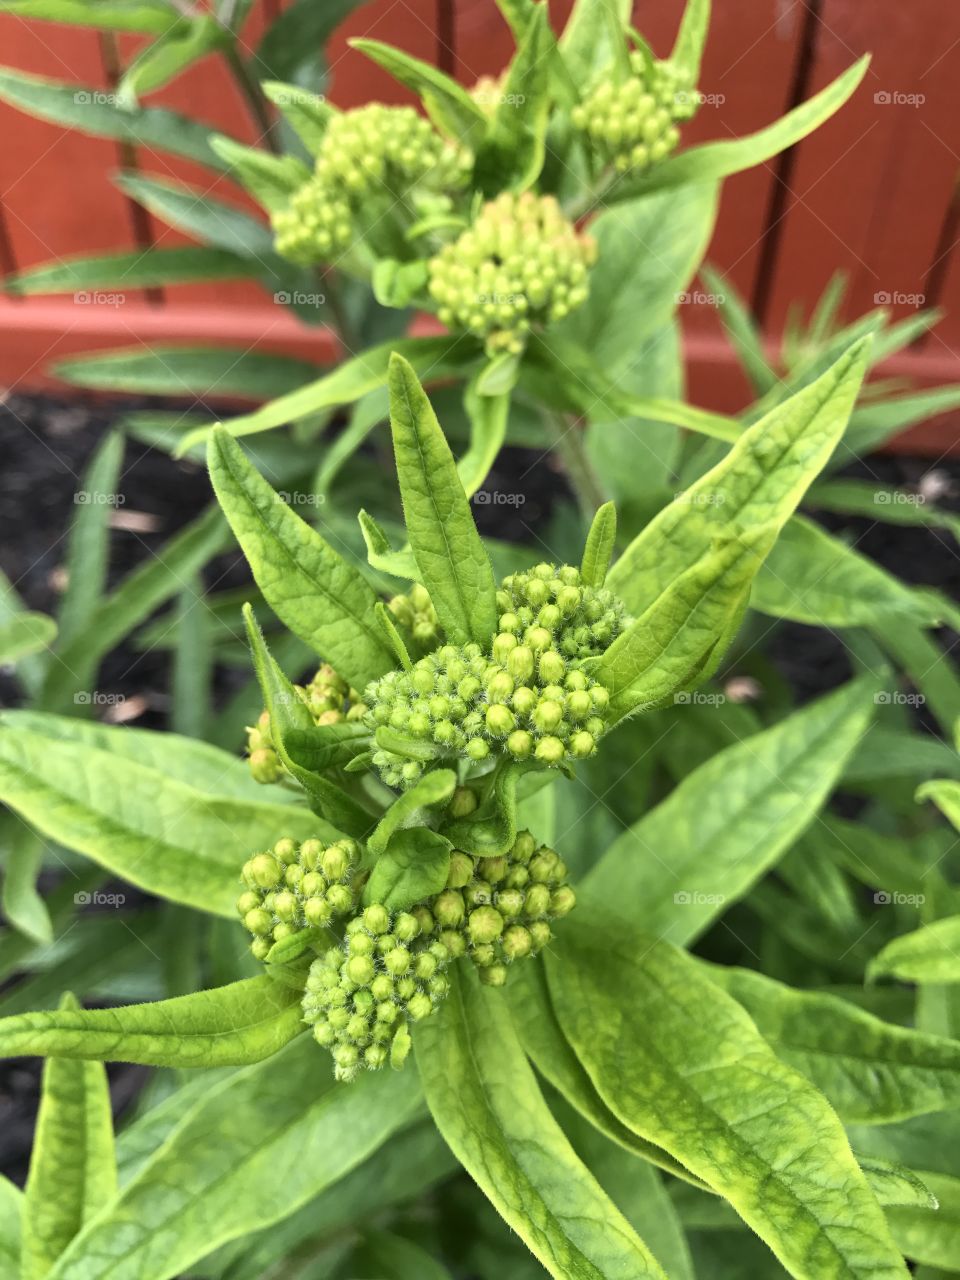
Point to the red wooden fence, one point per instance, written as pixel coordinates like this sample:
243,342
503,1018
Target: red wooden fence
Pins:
873,192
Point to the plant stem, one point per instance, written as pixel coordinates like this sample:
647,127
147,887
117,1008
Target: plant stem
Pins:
253,95
341,320
567,439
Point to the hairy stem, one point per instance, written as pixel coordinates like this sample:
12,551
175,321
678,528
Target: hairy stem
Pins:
253,96
567,440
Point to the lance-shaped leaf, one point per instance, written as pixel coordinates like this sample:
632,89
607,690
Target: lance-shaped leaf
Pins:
414,866
141,269
488,1107
492,827
447,103
589,38
25,634
929,954
236,1163
435,787
146,17
488,412
307,113
181,371
512,153
23,906
715,160
152,829
73,1168
599,546
453,564
290,715
692,36
728,822
270,179
681,1063
11,1215
226,1027
931,1234
310,587
945,794
169,55
871,1071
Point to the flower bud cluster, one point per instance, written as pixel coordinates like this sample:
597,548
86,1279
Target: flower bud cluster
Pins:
633,125
293,887
361,997
497,910
521,264
369,160
330,700
417,617
582,620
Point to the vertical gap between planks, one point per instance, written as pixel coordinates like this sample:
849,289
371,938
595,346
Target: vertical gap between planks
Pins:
127,157
447,36
8,261
946,247
783,167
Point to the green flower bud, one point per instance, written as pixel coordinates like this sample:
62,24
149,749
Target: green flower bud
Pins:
463,802
477,749
524,700
520,663
547,716
520,744
540,933
517,942
582,745
562,901
260,948
461,870
258,921
551,668
499,720
317,912
538,638
448,908
494,976
285,850
510,902
250,901
550,750
376,919
537,901
485,924
503,646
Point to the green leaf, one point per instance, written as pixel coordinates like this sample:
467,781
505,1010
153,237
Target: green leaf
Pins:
292,38
895,1185
310,587
236,1164
414,866
873,424
88,545
190,210
731,819
380,552
186,371
946,796
588,39
151,829
290,715
227,1027
871,1072
169,55
453,564
448,104
435,787
486,1103
692,36
488,413
682,1065
25,634
601,540
385,1256
929,954
147,17
931,1235
743,333
881,502
512,154
73,1168
716,160
306,113
89,110
492,827
22,860
270,179
11,1213
810,576
433,357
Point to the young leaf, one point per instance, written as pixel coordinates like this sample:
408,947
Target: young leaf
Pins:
236,1164
146,17
307,114
435,787
731,819
289,715
381,554
73,1168
414,866
488,413
929,954
11,1215
311,588
88,544
182,371
946,796
382,1255
141,269
448,104
682,1065
872,1072
291,41
22,858
692,36
208,220
601,540
488,1107
25,634
588,43
169,55
746,337
931,1234
270,179
453,564
226,1027
492,827
512,153
153,830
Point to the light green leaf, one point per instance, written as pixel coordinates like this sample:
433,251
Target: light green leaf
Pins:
881,502
430,357
743,333
291,41
22,860
715,160
89,540
151,829
488,414
588,41
810,576
692,36
929,954
435,787
512,154
492,827
11,1212
931,1235
873,424
385,1256
187,371
270,179
681,1064
486,1103
88,110
687,860
414,866
453,564
310,587
73,1168
871,1071
147,17
236,1164
448,104
601,540
169,55
25,634
946,796
227,1027
190,210
307,113
381,554
896,1186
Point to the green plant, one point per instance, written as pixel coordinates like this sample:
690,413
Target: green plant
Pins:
529,892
